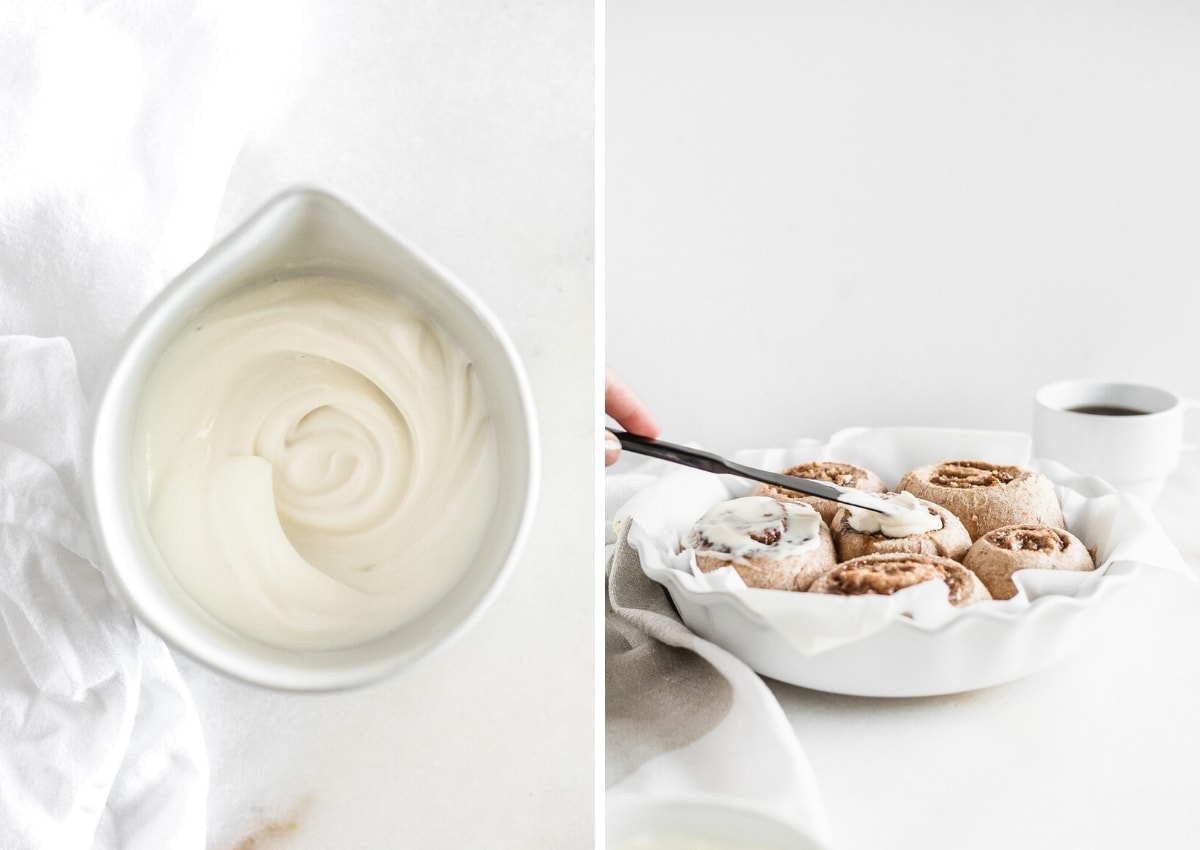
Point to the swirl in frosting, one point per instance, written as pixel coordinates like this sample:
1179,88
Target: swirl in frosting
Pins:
757,526
914,519
316,462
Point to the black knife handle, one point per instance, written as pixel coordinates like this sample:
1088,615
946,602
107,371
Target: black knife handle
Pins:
663,450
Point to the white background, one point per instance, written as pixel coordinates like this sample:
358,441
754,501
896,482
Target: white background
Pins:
872,213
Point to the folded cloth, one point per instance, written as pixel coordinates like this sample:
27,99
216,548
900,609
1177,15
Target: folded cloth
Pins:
684,719
100,745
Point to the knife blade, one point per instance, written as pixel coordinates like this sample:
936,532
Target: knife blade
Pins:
709,462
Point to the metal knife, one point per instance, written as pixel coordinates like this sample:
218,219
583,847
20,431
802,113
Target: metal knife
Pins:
710,462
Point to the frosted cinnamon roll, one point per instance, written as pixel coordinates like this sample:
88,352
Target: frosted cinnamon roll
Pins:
834,472
884,573
771,544
924,527
986,495
995,556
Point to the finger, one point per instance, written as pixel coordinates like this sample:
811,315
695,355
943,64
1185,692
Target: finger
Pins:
612,448
623,405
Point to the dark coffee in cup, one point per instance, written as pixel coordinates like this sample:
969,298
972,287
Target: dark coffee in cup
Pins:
1107,410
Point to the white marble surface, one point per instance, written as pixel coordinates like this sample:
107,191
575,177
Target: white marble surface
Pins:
466,128
821,216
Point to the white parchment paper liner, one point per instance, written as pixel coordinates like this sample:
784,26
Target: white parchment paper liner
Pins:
1121,531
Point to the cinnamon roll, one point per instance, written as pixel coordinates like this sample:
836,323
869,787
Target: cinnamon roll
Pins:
884,573
986,495
771,544
841,474
924,527
995,556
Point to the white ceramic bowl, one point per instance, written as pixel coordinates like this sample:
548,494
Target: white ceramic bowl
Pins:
305,231
791,637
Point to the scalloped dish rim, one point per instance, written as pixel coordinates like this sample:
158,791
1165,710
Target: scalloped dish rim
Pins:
1055,619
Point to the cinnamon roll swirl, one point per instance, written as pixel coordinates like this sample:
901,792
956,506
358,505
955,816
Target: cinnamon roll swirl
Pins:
841,474
771,544
995,556
986,495
926,527
884,573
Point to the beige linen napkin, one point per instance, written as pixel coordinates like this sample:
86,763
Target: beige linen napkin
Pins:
683,717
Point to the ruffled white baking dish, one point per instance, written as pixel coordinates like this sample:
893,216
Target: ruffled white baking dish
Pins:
913,643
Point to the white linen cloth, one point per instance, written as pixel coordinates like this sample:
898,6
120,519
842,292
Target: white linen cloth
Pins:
100,745
685,719
119,124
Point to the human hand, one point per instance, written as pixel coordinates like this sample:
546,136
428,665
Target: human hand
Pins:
628,410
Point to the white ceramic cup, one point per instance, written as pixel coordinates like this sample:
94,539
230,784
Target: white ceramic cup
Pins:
1130,435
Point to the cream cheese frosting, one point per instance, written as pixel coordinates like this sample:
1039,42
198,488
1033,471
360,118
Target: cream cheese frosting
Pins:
316,462
914,518
759,526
